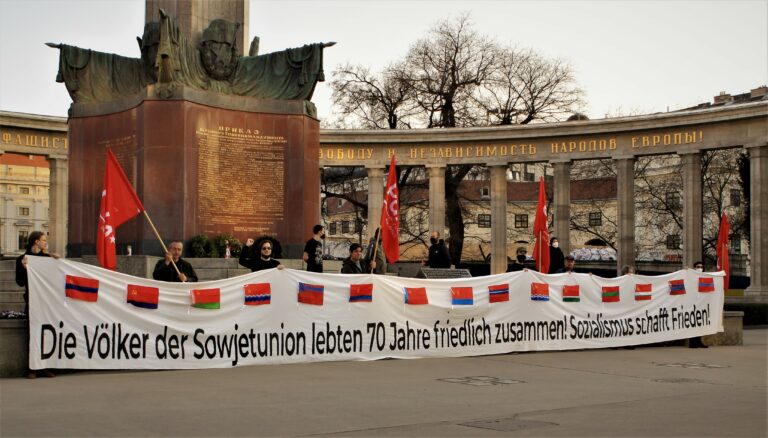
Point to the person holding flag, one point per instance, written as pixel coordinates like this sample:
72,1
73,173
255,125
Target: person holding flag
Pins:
119,203
374,254
181,271
541,232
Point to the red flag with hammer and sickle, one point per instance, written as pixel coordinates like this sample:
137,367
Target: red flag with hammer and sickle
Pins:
118,204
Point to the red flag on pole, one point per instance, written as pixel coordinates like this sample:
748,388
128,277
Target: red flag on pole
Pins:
390,217
118,204
722,250
541,233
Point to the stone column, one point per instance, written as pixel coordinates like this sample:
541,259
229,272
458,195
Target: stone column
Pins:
375,198
692,211
758,237
437,199
562,205
625,206
57,210
498,219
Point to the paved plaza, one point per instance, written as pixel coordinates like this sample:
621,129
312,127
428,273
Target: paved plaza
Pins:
649,391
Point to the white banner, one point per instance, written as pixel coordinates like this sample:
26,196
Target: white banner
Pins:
86,317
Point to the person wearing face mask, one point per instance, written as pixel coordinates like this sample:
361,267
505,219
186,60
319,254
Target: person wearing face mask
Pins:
698,266
556,258
313,250
37,246
438,253
519,263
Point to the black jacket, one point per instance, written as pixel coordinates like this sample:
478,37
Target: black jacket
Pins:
349,267
21,272
165,272
438,255
556,260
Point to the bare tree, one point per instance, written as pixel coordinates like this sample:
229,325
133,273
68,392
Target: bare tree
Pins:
383,101
455,77
444,69
525,87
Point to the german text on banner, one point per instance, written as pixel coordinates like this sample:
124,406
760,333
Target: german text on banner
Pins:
139,323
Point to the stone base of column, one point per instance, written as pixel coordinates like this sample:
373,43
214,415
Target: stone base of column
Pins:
757,294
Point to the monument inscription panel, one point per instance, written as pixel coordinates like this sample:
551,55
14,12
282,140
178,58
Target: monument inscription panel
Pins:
241,175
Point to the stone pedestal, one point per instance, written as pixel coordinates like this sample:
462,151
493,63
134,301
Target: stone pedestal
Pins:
201,163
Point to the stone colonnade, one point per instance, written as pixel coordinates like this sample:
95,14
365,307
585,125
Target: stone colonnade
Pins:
625,169
57,201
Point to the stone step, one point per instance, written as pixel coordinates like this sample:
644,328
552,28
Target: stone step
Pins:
213,263
10,286
12,297
219,274
7,265
18,307
8,275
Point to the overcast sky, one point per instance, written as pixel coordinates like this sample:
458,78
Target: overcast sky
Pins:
629,56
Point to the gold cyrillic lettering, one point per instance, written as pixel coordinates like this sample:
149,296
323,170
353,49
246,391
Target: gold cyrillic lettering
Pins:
612,143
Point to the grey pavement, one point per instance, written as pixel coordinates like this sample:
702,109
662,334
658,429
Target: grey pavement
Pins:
649,391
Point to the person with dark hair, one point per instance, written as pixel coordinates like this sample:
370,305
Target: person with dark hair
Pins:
438,253
380,259
570,264
355,263
519,263
313,250
37,246
164,270
261,261
556,258
698,266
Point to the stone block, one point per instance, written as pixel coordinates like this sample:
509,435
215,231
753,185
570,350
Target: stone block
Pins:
733,323
14,352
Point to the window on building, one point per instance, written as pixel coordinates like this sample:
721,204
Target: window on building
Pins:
23,211
344,227
23,238
332,228
484,221
340,203
673,200
734,246
735,197
358,225
521,221
530,176
485,192
595,219
24,190
673,241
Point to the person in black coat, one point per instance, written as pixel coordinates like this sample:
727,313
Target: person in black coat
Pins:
261,261
438,253
556,258
37,246
355,263
164,270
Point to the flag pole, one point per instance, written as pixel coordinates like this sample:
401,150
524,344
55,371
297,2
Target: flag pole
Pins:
161,242
376,247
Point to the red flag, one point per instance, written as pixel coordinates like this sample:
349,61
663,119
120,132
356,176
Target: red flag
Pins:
541,233
390,217
118,204
722,250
